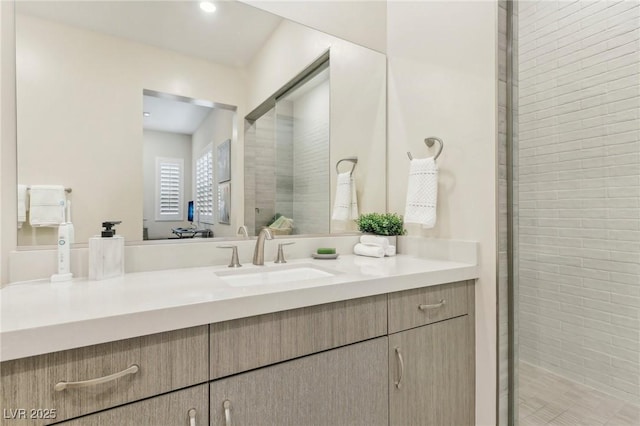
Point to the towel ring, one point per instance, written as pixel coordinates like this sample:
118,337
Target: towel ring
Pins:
429,142
353,160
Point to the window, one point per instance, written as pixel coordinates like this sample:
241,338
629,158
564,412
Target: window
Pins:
204,186
169,189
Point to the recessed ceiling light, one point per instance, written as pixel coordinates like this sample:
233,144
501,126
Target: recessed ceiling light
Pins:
146,114
207,6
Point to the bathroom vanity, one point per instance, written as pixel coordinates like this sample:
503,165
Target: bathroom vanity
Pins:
394,347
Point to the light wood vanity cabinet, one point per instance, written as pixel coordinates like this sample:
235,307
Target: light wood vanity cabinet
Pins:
248,343
187,407
432,366
344,386
332,364
431,380
127,370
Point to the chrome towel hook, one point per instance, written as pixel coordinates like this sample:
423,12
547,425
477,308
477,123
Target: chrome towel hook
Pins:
429,142
353,160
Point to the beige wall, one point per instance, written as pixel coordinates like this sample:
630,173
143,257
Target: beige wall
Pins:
8,216
360,21
358,101
443,82
86,111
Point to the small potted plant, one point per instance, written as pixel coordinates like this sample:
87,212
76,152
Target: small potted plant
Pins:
388,225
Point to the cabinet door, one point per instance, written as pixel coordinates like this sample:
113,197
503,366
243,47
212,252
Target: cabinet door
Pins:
431,375
344,386
188,407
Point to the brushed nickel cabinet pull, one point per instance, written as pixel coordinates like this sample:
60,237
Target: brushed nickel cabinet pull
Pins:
60,386
227,412
192,417
433,306
401,367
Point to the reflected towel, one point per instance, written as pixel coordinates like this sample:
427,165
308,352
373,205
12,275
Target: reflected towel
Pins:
47,205
390,251
22,205
345,206
422,192
371,267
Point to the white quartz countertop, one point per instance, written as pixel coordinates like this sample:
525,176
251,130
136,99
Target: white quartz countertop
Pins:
39,317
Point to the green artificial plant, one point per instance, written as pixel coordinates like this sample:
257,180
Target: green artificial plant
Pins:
381,223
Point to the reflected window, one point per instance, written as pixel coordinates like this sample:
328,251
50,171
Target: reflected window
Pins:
169,188
204,186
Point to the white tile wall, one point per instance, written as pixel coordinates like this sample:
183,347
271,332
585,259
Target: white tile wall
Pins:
579,191
311,192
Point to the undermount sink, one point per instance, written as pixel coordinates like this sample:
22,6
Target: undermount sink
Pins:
274,274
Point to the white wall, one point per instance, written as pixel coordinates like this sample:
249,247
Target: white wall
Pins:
361,21
358,101
443,82
217,127
167,145
92,115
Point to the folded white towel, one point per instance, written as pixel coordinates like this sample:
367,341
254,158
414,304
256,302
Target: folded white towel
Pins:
345,206
368,250
422,192
375,240
47,205
390,251
22,205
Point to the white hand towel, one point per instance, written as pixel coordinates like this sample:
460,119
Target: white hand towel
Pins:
390,251
345,206
47,205
368,250
22,205
375,240
422,192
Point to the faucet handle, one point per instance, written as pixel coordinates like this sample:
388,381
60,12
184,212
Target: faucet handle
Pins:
280,258
235,262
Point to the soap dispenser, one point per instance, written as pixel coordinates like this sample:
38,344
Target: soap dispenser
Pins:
106,253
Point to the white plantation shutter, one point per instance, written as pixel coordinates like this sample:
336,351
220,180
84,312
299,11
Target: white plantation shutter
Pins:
204,186
169,188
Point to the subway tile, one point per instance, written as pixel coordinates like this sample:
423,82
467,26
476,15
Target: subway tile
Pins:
580,162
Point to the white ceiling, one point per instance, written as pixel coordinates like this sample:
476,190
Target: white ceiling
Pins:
173,116
230,36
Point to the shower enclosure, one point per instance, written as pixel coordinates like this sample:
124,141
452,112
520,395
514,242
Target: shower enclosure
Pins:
291,182
574,209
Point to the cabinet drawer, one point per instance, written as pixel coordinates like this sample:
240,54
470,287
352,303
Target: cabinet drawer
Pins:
248,343
413,308
172,409
166,361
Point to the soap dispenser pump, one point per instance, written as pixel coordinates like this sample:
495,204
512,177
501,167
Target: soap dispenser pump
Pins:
106,253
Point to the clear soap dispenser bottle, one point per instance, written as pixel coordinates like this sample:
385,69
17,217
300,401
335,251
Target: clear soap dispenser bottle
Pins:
106,253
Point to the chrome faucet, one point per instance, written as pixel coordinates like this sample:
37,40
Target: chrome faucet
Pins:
258,253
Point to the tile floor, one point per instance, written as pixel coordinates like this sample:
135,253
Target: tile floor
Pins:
548,399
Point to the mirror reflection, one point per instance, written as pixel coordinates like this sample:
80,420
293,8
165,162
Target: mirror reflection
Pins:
292,184
185,150
88,71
